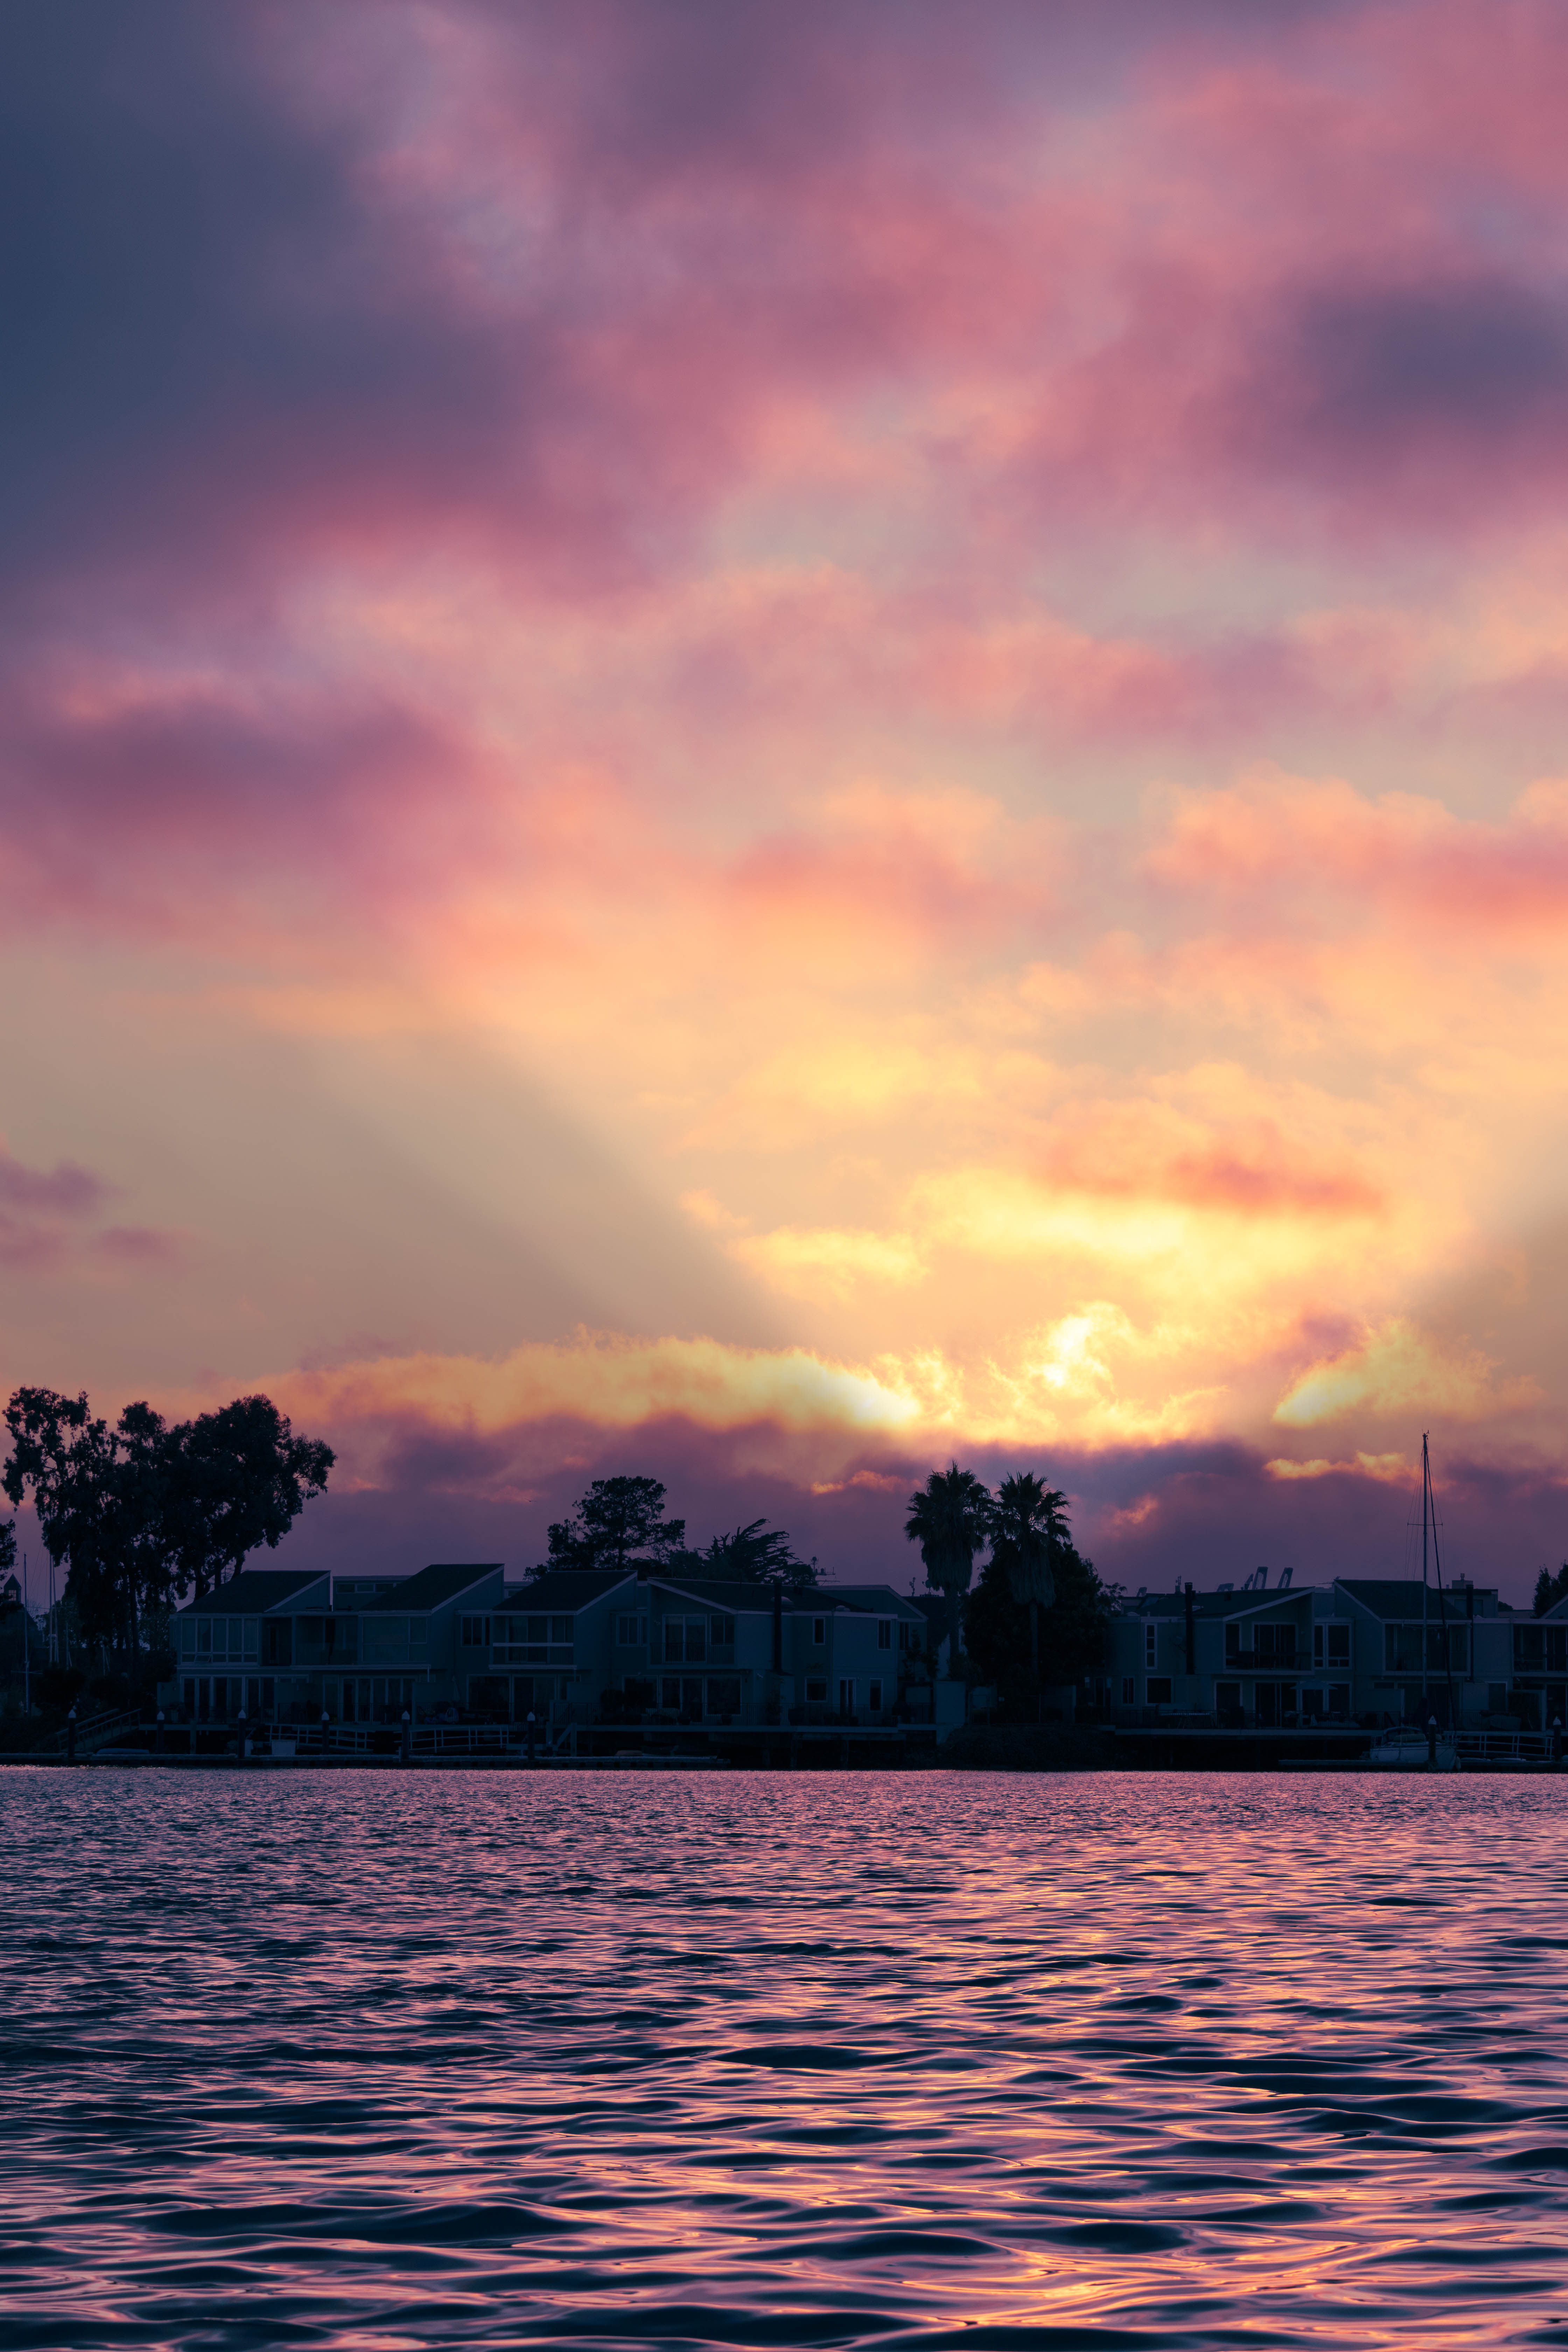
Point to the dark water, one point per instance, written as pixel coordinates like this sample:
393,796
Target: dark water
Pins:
372,2061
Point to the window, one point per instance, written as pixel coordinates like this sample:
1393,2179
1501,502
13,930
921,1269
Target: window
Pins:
384,1641
631,1633
1447,1649
1317,1645
817,1690
669,1694
1159,1690
907,1639
1339,1644
1339,1698
1227,1697
884,1632
723,1631
561,1629
1232,1644
685,1640
874,1695
277,1642
474,1633
845,1697
1129,1691
1150,1635
724,1695
204,1637
818,1634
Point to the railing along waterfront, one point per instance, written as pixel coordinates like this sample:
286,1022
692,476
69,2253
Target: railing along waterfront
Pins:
1505,1747
91,1731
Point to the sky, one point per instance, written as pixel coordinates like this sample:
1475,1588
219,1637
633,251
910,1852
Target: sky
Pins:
766,744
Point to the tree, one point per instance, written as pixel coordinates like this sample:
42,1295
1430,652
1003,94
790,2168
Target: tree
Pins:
1550,1589
235,1479
757,1554
1071,1626
616,1520
65,1458
142,1511
1028,1526
949,1518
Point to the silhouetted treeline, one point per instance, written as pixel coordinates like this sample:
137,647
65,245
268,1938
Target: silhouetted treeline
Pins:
1039,1612
145,1511
1550,1589
621,1520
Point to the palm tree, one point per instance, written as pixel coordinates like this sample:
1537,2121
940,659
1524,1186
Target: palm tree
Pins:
949,1518
1028,1523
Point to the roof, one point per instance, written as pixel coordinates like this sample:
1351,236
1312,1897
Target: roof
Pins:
253,1591
1236,1603
1398,1599
736,1596
444,1580
878,1599
566,1589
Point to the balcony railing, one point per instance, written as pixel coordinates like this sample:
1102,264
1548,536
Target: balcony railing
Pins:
532,1653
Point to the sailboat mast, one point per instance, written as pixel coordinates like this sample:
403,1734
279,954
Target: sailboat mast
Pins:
1426,1488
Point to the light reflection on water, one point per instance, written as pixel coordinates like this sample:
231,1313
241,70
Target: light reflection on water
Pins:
377,2060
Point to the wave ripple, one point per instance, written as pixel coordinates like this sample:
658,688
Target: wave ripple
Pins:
374,2063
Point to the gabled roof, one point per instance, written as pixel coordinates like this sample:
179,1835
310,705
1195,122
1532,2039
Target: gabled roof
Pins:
1216,1604
873,1600
567,1589
1397,1600
255,1590
735,1597
442,1580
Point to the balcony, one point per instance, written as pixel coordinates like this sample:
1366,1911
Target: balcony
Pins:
534,1654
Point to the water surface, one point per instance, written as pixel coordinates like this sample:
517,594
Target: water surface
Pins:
392,2060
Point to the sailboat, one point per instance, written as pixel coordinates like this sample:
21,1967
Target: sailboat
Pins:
1407,1747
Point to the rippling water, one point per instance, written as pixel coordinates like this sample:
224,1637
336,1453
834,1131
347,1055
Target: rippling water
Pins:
375,2059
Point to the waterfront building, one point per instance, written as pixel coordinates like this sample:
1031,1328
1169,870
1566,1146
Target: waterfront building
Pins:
572,1646
1356,1650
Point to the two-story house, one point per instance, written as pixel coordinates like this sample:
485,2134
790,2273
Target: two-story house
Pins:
1356,1650
289,1647
583,1644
